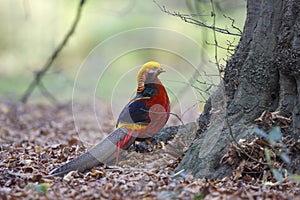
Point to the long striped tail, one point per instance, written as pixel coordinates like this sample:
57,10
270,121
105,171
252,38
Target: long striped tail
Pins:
103,153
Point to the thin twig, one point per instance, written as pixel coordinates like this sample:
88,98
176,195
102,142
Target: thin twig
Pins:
170,113
186,83
190,19
177,116
200,91
192,107
46,93
233,24
221,47
205,83
213,14
39,75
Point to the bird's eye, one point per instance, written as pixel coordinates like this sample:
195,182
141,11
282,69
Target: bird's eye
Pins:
152,70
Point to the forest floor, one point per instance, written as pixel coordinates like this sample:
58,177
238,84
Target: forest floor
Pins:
34,139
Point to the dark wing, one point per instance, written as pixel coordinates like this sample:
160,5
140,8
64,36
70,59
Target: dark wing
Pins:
137,111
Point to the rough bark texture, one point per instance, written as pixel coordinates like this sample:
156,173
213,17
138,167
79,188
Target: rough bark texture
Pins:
263,74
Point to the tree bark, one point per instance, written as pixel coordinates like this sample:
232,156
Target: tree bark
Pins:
262,75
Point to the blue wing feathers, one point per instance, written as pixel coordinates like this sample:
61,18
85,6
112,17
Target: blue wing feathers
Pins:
137,111
134,112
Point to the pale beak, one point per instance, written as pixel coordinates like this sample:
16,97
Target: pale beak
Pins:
161,70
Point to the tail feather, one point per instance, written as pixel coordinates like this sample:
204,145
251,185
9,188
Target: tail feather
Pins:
123,144
103,153
81,163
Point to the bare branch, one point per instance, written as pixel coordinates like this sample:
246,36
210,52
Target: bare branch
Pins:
46,93
189,18
206,83
39,75
222,47
213,14
232,24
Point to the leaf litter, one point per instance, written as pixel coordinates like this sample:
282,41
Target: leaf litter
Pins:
34,139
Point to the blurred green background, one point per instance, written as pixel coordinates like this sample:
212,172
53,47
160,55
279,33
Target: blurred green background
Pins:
31,29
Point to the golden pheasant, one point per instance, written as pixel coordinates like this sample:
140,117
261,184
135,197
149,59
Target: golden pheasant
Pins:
149,110
142,117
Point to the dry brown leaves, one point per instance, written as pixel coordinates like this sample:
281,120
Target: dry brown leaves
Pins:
268,120
249,163
243,166
34,139
255,172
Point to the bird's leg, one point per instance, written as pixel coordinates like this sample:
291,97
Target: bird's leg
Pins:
147,140
151,146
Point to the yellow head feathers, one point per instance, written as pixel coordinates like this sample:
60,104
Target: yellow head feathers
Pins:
142,74
146,67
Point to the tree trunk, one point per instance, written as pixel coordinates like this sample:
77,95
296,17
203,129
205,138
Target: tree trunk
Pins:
262,75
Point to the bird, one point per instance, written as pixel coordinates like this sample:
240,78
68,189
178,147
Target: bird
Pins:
141,118
149,110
